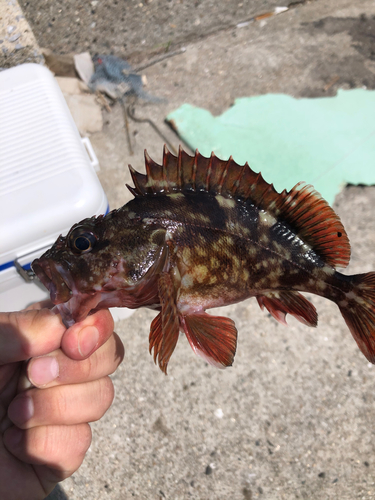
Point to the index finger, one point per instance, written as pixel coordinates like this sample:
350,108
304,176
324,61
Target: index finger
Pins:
25,334
30,333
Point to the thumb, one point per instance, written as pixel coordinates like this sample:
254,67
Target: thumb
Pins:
26,334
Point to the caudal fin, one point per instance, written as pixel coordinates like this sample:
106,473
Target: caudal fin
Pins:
359,313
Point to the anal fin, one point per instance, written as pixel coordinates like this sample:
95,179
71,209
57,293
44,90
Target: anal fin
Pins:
281,303
213,338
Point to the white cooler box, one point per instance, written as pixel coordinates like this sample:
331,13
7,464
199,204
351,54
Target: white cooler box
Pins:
47,178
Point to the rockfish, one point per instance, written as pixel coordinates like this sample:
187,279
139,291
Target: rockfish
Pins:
202,233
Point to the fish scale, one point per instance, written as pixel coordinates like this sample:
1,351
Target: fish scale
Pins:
202,233
228,234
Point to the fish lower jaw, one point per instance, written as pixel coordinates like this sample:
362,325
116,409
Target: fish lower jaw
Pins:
77,308
65,314
80,305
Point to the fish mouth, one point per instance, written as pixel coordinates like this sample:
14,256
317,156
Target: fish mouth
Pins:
53,278
69,303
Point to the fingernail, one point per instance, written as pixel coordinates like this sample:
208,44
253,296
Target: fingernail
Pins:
21,410
88,339
43,370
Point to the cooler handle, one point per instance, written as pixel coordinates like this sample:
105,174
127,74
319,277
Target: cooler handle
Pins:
91,153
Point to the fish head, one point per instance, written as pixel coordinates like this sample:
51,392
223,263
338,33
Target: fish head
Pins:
99,264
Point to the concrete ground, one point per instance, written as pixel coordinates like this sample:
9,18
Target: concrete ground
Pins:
294,417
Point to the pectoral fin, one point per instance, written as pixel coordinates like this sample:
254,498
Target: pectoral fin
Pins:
281,303
164,330
146,292
213,338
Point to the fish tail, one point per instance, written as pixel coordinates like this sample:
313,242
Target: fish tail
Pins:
358,310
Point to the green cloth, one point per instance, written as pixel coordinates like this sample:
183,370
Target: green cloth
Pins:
327,142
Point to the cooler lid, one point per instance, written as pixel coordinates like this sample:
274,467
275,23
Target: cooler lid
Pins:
47,182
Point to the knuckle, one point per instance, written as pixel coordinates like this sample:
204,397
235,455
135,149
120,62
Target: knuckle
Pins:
85,436
108,390
88,368
106,395
60,404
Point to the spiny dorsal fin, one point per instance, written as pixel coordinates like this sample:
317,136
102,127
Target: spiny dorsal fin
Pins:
302,207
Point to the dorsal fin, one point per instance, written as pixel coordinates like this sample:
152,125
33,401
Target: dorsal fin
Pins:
302,207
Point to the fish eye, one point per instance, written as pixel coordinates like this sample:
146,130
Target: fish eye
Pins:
82,241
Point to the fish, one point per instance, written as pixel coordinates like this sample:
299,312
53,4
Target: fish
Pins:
200,233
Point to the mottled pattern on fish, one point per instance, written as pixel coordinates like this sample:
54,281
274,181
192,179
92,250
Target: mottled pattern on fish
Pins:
202,233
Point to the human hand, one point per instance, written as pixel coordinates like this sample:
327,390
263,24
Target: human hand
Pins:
44,430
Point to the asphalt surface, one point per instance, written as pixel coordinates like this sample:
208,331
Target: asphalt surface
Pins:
294,417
